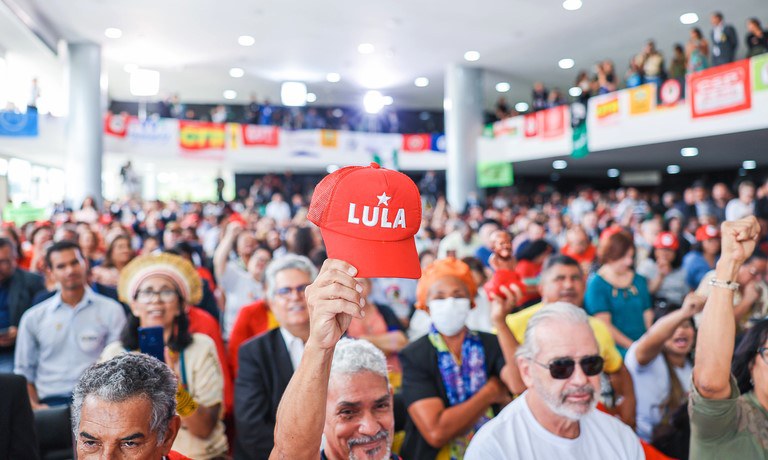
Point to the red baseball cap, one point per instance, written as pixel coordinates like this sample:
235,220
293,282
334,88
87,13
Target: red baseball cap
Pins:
368,216
706,232
666,240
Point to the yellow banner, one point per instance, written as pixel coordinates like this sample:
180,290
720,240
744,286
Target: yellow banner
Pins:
329,138
641,99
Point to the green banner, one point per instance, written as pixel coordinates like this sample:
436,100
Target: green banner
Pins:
760,72
22,214
488,130
580,147
494,174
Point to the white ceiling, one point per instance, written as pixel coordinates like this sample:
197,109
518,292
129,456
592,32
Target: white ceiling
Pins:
193,43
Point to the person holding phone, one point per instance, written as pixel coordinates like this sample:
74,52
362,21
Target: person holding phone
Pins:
157,287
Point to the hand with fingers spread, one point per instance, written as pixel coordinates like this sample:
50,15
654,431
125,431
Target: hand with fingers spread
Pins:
333,299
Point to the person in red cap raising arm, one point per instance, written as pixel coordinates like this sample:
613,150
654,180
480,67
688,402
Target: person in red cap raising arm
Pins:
664,271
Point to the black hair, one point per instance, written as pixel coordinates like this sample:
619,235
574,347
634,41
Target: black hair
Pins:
533,250
746,353
60,247
302,242
560,259
8,243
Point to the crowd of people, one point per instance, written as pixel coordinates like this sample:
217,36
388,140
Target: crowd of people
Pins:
700,52
531,310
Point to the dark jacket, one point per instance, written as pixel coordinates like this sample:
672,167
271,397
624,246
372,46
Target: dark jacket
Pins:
264,371
18,439
724,51
22,289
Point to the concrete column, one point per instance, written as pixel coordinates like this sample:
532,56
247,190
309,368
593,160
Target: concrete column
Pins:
84,123
463,126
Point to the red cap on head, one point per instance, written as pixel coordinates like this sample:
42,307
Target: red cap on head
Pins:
666,240
368,216
706,232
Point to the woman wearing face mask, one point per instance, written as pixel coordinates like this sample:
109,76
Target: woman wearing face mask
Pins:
157,288
453,377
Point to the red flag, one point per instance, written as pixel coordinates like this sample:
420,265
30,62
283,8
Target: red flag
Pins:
416,142
261,135
531,125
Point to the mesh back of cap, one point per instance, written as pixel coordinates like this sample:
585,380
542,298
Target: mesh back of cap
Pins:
321,197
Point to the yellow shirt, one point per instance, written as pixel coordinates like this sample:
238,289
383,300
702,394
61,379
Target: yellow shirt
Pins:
517,322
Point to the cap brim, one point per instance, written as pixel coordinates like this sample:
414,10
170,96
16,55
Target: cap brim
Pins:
374,259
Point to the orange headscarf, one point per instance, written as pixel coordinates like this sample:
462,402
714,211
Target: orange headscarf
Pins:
440,269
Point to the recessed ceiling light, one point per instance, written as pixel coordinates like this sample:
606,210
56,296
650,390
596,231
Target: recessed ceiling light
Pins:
130,68
575,91
388,100
472,56
521,106
566,63
613,172
333,77
293,93
230,94
113,32
689,18
421,82
749,164
689,151
365,48
311,97
373,102
503,87
673,169
246,40
572,5
559,164
236,72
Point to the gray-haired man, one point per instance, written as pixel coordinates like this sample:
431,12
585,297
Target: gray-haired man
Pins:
555,418
126,408
340,390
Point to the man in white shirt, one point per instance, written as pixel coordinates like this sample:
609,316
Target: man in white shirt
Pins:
744,205
278,209
556,416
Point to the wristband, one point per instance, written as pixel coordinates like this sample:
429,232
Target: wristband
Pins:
732,285
185,405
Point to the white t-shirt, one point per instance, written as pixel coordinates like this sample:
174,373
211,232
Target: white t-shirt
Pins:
240,290
652,388
516,434
396,293
736,209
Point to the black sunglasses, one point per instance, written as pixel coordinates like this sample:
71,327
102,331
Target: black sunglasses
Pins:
562,368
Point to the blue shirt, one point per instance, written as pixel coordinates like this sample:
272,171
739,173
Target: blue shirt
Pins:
57,342
696,266
626,305
5,312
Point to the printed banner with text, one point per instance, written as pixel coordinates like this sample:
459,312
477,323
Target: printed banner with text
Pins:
720,90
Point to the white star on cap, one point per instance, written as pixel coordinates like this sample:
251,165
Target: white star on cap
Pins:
383,199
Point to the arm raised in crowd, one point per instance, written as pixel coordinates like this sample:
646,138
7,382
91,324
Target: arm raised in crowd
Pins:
717,331
221,254
500,308
333,300
651,344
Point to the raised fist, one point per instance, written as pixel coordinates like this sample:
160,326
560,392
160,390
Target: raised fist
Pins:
739,239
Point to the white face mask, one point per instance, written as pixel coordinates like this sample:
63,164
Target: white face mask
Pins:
449,315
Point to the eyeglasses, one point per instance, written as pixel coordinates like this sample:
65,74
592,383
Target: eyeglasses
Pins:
562,368
148,295
286,291
761,351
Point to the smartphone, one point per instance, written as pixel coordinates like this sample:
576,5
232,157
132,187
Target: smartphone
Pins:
151,342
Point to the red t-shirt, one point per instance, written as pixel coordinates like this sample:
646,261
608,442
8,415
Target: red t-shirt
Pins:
252,320
202,322
587,257
173,455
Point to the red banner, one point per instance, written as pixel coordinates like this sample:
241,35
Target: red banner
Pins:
197,135
416,142
261,135
719,90
545,123
671,92
116,125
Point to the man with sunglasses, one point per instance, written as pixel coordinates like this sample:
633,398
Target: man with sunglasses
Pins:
267,362
560,364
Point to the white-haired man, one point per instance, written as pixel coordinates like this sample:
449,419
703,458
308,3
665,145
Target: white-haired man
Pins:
556,416
340,390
